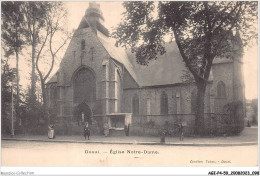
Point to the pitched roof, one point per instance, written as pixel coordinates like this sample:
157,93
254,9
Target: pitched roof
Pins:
119,54
167,69
53,79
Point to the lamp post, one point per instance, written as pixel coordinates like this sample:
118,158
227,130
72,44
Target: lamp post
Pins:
12,118
12,101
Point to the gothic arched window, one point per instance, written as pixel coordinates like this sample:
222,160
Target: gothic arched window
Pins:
164,103
82,45
221,90
84,86
117,91
135,105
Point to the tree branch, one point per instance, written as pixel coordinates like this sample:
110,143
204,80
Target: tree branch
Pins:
185,58
43,45
39,53
207,45
225,18
5,66
54,29
223,37
214,21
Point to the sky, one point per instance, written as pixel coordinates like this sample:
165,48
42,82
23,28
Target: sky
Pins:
112,13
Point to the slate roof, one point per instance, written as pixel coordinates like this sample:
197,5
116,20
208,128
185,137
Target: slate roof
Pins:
167,69
53,79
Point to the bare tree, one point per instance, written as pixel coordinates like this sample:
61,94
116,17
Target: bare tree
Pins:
35,14
54,39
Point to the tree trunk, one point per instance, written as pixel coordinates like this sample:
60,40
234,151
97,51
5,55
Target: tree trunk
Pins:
44,99
33,76
17,105
199,113
17,82
43,93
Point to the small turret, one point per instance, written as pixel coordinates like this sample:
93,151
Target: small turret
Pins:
237,46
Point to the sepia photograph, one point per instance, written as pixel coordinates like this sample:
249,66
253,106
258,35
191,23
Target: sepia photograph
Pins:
129,84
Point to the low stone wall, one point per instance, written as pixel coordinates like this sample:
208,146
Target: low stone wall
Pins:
215,124
68,126
152,125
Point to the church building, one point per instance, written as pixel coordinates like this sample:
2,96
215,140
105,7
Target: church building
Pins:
103,85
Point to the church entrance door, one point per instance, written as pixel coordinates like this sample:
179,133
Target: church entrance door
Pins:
84,113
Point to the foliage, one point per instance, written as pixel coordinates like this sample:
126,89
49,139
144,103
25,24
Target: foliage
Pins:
162,132
33,115
39,25
255,109
13,40
169,129
12,27
7,77
235,121
23,24
193,25
149,124
203,30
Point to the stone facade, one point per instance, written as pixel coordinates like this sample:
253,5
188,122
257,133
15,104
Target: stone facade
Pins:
96,79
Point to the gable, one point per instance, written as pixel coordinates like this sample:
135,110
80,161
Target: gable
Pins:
119,54
91,56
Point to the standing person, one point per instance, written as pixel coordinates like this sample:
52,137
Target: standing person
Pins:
51,132
86,131
181,131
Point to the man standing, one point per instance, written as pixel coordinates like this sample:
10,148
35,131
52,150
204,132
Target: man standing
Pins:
86,131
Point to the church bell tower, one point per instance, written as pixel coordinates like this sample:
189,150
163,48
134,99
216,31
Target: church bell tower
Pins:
94,19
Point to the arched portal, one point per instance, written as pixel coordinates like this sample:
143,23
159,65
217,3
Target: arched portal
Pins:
84,86
83,113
